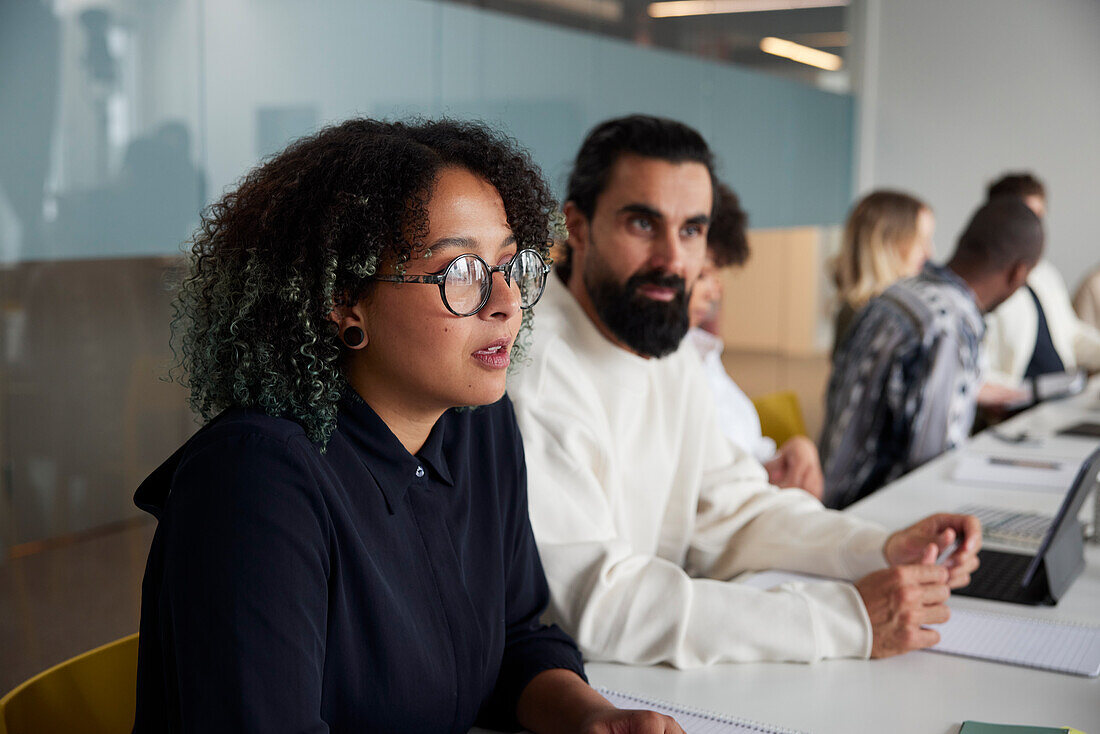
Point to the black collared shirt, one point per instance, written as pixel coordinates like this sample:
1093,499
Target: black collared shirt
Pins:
361,589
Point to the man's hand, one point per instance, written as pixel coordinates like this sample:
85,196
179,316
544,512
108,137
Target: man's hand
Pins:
996,397
902,599
931,536
797,464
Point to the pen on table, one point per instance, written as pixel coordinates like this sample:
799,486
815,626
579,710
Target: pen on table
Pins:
1025,463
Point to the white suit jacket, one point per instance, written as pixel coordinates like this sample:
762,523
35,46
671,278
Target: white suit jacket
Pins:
1013,327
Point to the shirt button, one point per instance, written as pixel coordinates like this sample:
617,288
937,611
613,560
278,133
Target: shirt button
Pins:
419,471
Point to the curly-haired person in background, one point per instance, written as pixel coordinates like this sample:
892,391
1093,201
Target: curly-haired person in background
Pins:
338,548
795,463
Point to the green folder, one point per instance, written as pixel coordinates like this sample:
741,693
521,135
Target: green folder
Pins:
980,727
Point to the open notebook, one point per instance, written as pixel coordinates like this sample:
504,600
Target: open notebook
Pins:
1033,643
1028,641
695,721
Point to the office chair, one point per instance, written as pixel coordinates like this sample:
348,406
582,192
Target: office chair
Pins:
780,415
93,693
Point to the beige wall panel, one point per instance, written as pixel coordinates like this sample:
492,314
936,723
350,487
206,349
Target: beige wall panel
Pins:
772,304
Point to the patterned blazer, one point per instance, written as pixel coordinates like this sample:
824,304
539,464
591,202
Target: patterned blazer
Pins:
904,384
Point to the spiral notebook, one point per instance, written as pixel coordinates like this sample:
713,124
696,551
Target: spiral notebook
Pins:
1034,643
692,720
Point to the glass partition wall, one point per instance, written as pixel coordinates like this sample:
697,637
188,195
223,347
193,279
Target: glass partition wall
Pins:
122,118
100,182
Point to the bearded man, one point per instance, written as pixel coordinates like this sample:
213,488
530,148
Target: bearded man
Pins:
642,510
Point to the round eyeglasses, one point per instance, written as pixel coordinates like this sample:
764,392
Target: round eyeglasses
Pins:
467,282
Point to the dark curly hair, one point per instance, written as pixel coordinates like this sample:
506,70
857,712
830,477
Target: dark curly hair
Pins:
304,232
726,238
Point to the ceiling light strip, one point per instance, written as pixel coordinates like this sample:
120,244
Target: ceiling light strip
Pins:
682,8
801,54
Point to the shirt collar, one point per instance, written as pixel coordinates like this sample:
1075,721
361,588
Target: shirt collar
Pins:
628,369
433,454
944,274
387,460
705,342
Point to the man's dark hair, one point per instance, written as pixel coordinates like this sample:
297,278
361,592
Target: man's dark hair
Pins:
1002,232
726,238
641,135
1018,184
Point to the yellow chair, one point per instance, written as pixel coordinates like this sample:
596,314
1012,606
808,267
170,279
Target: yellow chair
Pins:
93,693
780,416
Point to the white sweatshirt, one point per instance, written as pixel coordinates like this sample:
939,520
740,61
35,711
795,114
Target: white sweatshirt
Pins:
643,511
1011,329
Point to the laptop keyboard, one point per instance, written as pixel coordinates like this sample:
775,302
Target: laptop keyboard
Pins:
999,577
1023,530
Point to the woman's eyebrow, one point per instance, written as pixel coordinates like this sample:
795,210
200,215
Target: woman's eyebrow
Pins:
466,244
452,243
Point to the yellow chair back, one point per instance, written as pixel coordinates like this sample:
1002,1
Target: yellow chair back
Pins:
780,416
93,693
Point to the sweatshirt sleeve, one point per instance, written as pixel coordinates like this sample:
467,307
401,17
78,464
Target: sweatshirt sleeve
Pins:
245,588
625,603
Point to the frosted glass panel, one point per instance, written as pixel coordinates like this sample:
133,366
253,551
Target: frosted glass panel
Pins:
120,120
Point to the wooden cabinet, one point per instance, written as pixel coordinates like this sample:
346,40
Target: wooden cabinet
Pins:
781,300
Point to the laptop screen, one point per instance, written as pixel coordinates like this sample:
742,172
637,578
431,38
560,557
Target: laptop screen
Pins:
1071,505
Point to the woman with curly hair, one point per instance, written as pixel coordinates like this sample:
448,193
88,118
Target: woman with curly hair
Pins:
339,548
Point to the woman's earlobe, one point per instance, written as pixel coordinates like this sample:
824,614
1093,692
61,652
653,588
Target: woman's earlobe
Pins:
353,337
347,320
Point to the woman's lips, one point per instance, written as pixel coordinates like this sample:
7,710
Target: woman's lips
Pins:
496,355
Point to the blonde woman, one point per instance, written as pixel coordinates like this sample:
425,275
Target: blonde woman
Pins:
888,236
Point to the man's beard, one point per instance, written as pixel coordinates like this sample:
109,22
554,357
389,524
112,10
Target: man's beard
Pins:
649,327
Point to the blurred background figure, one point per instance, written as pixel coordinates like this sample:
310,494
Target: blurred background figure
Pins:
1087,300
1036,331
30,42
905,381
888,236
150,205
795,463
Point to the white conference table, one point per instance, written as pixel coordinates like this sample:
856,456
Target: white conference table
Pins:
922,691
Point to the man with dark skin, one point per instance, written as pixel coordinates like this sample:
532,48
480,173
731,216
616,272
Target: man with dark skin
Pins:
905,384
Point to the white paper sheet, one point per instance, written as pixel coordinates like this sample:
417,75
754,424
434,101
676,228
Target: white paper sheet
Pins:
1047,475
